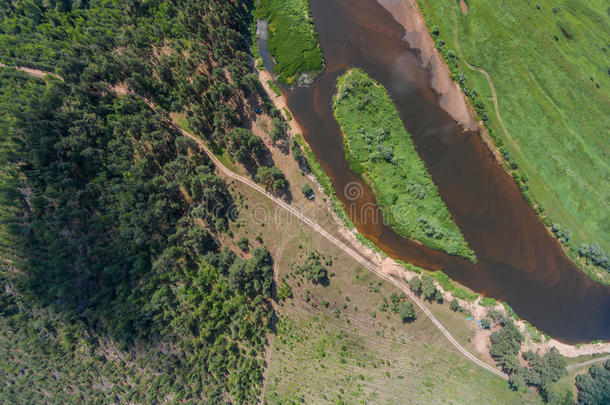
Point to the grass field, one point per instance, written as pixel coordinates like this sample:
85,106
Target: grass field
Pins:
379,148
293,41
335,345
549,65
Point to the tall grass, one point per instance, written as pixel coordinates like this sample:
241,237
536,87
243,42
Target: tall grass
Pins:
293,41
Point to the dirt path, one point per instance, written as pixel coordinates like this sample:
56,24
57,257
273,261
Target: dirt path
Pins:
33,72
357,256
586,363
346,249
489,81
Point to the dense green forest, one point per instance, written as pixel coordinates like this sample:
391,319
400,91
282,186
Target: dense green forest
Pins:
378,147
115,287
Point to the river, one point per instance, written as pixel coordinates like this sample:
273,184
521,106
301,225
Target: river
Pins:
518,260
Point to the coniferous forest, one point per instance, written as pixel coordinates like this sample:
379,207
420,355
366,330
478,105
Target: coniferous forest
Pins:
115,287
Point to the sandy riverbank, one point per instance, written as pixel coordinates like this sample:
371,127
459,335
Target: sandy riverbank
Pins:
480,338
278,101
452,99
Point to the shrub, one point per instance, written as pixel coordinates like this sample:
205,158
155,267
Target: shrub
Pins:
428,288
406,312
438,296
243,243
284,292
415,285
496,316
307,190
593,254
313,269
271,178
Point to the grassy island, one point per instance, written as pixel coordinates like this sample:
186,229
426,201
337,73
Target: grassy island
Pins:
379,149
293,41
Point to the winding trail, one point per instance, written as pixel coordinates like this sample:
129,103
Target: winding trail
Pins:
345,248
487,76
274,317
318,229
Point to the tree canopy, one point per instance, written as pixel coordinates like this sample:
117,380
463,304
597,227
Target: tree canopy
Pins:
110,217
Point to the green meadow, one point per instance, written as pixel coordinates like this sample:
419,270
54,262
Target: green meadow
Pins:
293,41
378,148
549,63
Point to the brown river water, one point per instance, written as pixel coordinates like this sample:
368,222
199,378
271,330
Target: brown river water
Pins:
518,260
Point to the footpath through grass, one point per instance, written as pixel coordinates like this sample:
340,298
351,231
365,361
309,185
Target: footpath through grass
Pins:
379,149
293,41
549,65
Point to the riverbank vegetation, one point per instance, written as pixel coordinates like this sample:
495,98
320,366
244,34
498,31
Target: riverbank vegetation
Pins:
304,156
539,372
378,148
449,286
594,386
548,63
292,41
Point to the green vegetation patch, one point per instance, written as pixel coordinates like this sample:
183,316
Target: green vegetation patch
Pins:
488,302
410,266
293,41
510,312
305,157
274,87
378,148
445,282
